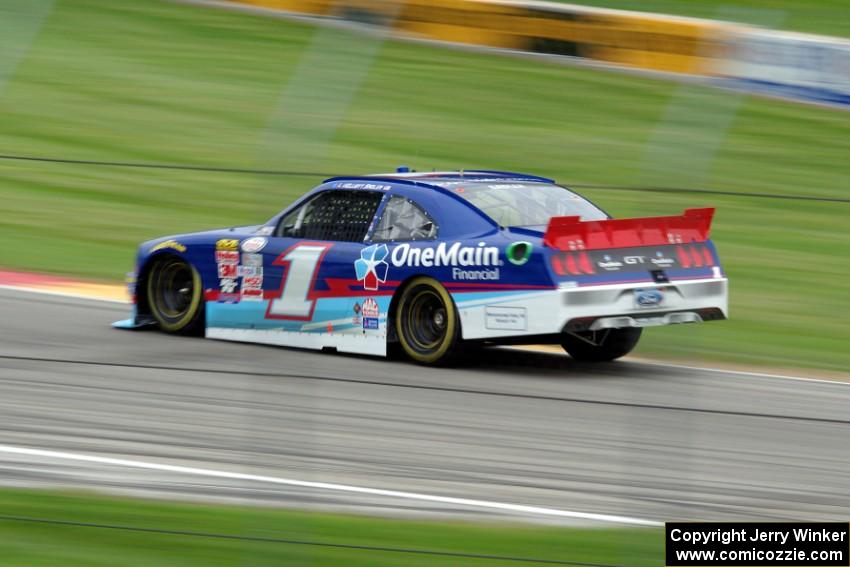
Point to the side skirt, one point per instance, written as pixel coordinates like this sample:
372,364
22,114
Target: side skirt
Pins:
342,342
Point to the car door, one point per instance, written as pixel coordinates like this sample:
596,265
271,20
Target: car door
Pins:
309,261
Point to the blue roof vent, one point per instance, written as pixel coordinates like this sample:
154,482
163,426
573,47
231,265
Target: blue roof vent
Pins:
402,169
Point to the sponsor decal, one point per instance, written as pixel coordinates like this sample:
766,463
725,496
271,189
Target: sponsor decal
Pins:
609,264
169,245
252,282
637,259
254,244
499,318
455,254
227,262
229,293
371,312
227,244
250,271
475,275
253,260
370,308
252,288
374,262
357,310
226,257
252,294
518,253
371,268
661,260
348,185
228,270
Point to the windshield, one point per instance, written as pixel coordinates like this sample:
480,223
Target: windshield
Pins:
527,204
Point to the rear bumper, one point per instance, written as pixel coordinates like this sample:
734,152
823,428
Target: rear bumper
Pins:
592,308
690,301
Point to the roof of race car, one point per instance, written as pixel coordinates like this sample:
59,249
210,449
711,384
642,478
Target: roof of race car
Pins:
432,186
445,179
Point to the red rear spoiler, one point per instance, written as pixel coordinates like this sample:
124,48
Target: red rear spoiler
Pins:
571,233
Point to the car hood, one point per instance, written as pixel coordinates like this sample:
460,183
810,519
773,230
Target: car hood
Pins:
204,236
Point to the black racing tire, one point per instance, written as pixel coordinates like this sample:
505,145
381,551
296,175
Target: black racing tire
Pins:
601,346
427,323
175,296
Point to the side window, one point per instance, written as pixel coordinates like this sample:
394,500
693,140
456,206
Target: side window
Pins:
343,216
404,220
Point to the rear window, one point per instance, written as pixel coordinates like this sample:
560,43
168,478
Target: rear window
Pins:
527,204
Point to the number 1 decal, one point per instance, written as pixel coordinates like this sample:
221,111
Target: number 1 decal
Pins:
301,264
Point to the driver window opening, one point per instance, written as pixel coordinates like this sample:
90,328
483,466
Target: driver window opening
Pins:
342,216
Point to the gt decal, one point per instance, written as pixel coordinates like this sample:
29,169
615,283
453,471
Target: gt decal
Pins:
301,264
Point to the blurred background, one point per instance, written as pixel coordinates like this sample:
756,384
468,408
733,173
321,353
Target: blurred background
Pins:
125,120
170,83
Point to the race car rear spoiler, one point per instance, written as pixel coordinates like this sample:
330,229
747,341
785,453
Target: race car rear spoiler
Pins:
571,233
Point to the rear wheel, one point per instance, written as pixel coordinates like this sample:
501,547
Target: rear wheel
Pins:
175,296
600,346
426,322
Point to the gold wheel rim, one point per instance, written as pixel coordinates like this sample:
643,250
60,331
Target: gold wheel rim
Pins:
439,347
165,273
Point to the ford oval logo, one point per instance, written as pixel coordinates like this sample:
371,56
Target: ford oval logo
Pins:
648,297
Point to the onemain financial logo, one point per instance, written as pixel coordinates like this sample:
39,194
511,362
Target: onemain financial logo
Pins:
454,255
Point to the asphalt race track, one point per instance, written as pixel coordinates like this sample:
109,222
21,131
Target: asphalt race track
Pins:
625,439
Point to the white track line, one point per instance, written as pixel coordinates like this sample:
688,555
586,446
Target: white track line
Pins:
838,381
739,372
467,502
631,360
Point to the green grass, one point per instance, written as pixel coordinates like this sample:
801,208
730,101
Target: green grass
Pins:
43,544
828,17
160,82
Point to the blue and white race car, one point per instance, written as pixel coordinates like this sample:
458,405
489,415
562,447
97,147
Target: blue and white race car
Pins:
427,262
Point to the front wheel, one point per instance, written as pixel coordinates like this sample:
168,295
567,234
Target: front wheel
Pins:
601,346
426,322
175,296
